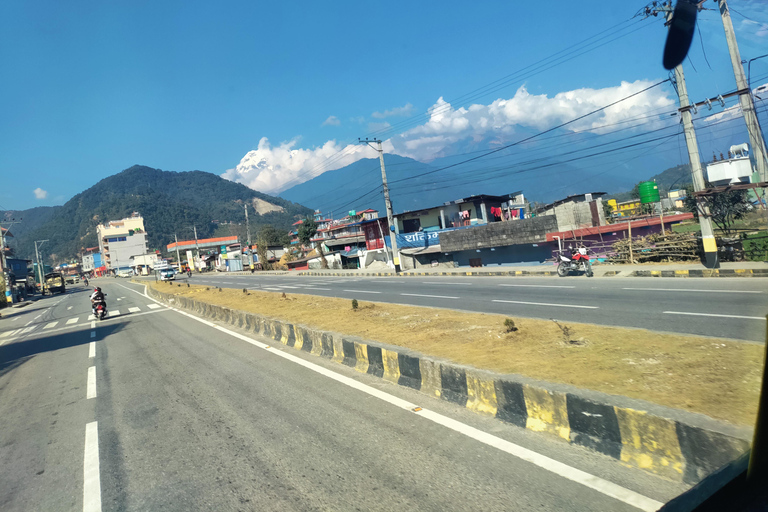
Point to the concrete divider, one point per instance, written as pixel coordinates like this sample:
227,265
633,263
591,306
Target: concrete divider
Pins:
672,443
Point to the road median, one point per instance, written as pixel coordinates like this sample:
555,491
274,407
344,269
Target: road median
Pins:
653,401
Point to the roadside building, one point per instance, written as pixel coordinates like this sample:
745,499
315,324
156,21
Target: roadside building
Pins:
203,252
677,198
91,259
120,240
629,208
578,211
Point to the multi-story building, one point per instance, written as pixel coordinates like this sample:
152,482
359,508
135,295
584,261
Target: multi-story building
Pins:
91,259
119,240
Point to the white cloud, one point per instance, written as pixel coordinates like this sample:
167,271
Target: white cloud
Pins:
331,121
40,193
357,119
404,111
447,125
273,169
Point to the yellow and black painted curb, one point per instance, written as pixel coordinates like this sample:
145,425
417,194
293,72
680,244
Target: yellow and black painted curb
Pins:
715,272
673,444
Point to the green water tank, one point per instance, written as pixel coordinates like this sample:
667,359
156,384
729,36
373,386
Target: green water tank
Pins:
649,192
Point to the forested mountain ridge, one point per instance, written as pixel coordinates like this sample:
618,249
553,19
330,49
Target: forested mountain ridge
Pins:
170,202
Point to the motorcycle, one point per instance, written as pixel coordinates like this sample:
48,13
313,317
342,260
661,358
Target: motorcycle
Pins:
100,309
577,262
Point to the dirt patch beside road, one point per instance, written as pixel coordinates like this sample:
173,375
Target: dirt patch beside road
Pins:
716,377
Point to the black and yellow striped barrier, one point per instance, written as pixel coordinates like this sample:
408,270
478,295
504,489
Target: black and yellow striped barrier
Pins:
674,444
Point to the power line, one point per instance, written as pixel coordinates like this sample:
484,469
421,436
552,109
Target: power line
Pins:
536,135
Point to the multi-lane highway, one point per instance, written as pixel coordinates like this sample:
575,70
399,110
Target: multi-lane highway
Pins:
152,409
723,307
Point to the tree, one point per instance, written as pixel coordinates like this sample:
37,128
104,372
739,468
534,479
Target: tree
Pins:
307,229
724,207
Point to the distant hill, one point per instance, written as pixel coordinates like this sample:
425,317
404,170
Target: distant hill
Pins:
170,202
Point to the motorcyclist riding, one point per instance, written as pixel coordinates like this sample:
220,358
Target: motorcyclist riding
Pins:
97,297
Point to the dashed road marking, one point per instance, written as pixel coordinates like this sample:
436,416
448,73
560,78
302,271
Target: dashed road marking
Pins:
92,349
153,306
690,290
28,329
91,387
546,304
72,321
51,325
134,310
430,296
537,286
91,477
360,291
114,312
715,315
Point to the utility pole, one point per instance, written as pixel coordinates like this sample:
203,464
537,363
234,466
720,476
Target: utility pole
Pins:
40,272
5,270
178,256
705,220
387,204
745,95
248,234
197,246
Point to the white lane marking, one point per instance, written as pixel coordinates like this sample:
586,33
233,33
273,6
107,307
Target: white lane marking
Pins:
114,312
714,315
273,289
92,349
9,333
38,316
15,319
537,286
72,321
91,477
432,296
547,304
118,300
51,325
691,290
360,291
286,286
134,310
449,284
26,324
153,306
316,288
93,334
627,496
28,329
93,324
91,388
69,307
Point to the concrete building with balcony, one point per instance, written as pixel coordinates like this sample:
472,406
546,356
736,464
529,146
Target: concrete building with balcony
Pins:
120,240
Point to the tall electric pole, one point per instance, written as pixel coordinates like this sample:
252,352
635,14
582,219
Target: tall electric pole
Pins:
197,247
40,271
5,270
178,256
705,220
387,204
248,234
745,95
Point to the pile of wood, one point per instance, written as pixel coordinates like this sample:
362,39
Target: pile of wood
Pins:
656,247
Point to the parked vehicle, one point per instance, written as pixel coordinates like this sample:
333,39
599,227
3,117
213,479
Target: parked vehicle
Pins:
54,282
125,273
168,274
575,262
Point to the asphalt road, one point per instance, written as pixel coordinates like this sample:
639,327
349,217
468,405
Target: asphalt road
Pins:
723,307
179,414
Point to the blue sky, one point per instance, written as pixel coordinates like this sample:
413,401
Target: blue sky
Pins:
92,88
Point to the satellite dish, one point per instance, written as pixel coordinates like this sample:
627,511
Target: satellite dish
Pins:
680,33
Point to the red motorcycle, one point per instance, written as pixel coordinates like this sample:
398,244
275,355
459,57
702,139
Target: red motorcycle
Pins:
577,261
